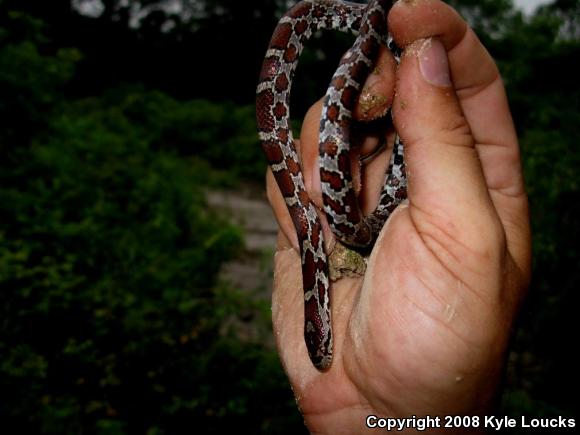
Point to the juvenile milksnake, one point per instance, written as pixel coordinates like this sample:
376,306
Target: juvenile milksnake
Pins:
340,202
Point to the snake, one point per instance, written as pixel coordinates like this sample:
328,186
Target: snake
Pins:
368,22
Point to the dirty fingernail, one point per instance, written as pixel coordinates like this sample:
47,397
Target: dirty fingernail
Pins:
372,105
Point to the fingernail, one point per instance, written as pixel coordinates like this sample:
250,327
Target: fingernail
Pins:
433,63
372,101
373,106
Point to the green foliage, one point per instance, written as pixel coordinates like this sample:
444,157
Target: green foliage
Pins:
538,60
489,18
223,134
30,80
113,320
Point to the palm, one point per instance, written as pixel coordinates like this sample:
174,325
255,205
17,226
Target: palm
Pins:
405,328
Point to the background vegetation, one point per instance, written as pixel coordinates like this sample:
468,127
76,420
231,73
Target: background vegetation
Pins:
113,120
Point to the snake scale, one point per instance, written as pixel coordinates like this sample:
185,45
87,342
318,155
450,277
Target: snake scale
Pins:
341,206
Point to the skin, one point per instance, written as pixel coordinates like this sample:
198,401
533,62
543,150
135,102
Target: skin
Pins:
425,331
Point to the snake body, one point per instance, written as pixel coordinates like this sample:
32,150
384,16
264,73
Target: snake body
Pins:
341,206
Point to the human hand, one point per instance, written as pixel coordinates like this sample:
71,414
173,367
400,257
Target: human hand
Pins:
425,331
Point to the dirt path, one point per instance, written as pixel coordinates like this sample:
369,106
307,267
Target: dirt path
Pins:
249,209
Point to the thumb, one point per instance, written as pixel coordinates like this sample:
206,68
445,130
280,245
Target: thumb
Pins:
448,196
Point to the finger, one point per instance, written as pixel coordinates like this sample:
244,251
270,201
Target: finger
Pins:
309,152
282,214
280,209
484,105
377,93
368,181
374,101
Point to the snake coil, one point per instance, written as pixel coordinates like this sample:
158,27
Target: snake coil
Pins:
341,206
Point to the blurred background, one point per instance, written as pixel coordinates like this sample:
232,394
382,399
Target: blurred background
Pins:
135,241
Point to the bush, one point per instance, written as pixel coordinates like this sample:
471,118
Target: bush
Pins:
223,134
112,316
